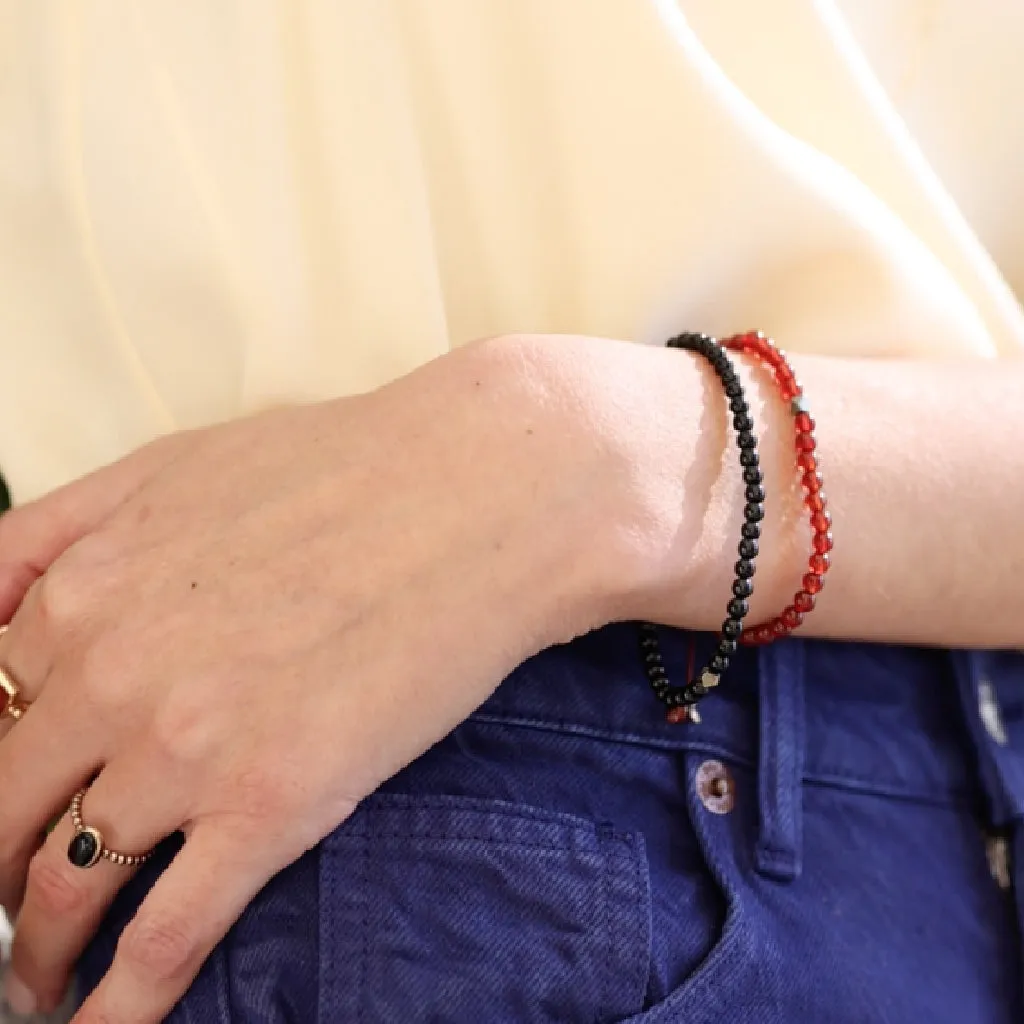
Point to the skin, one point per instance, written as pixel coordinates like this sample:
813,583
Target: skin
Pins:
242,631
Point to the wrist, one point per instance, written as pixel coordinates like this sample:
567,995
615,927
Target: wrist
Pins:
667,506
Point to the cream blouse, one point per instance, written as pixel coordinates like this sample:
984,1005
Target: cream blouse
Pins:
206,208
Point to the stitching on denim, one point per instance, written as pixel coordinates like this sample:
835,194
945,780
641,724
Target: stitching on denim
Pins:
460,836
824,775
607,938
364,961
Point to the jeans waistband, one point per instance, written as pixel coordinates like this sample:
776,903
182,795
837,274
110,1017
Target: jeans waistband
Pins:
876,718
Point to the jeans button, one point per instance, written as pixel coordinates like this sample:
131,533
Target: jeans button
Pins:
716,787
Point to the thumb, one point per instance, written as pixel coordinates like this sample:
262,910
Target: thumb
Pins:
34,536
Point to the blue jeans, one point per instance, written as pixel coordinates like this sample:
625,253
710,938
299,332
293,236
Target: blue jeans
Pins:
828,845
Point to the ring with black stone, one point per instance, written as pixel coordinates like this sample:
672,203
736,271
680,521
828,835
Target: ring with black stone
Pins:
87,848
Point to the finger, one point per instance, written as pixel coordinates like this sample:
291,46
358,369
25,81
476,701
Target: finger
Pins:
33,536
186,914
64,904
44,758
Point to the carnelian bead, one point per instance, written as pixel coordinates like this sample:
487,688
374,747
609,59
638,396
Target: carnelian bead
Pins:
822,542
804,423
813,583
815,502
822,521
805,442
803,602
812,481
807,462
791,617
779,628
819,564
677,714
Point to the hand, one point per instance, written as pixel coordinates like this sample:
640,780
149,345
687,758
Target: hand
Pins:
248,637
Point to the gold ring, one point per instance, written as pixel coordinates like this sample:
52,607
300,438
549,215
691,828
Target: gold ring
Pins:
87,847
11,704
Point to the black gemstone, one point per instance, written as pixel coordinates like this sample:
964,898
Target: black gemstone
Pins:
751,531
737,608
753,512
739,405
718,664
749,458
734,390
84,850
754,492
748,548
752,475
743,587
731,629
741,421
727,648
746,439
744,569
727,374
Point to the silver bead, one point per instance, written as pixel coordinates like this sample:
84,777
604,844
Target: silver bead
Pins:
710,679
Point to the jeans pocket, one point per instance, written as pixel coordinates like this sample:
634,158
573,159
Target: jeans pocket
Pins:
455,909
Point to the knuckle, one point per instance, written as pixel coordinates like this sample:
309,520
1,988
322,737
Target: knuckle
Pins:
61,598
183,730
162,947
52,890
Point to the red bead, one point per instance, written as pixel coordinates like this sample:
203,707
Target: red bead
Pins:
803,602
807,462
677,714
804,423
815,502
819,564
822,521
779,628
813,583
823,542
791,617
812,482
805,442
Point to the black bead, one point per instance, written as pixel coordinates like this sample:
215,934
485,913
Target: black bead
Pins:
726,647
741,421
83,850
743,587
751,531
752,475
749,458
748,548
731,629
739,405
754,492
745,439
727,375
753,512
744,569
734,390
718,664
737,608
696,690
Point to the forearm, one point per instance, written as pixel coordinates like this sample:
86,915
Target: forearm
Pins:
923,468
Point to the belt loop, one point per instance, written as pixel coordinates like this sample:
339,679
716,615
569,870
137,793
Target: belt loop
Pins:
779,851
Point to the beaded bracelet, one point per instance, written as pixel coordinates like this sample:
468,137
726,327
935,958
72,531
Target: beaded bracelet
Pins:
680,700
757,344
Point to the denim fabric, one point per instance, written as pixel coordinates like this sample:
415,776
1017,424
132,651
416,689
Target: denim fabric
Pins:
556,859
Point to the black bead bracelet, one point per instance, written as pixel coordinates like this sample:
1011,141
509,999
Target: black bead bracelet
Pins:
681,700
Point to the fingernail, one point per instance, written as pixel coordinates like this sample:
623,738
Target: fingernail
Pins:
21,998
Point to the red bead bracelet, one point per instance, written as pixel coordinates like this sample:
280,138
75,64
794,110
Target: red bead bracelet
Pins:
757,344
